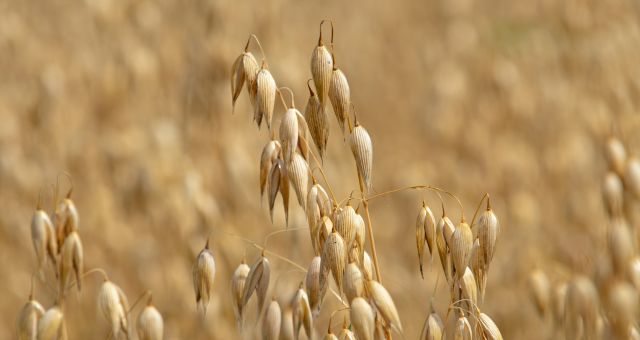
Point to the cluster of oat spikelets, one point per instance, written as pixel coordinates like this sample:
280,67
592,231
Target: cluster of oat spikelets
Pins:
603,305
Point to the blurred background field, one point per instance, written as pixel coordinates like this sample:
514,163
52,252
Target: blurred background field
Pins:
514,98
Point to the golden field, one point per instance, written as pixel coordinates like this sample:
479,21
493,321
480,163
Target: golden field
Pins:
132,99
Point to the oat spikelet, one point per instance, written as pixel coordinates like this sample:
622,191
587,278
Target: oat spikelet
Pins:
114,307
632,176
204,273
289,133
318,205
613,194
433,328
362,319
621,247
443,251
271,322
237,289
430,230
540,291
51,325
490,330
318,121
150,325
362,150
245,68
346,220
28,318
621,300
324,230
463,329
384,305
265,96
43,238
353,282
478,269
312,284
581,308
298,172
286,325
340,96
461,246
616,155
469,288
346,334
367,267
302,317
634,272
65,219
268,157
420,235
558,302
334,256
278,181
488,231
321,66
71,259
258,281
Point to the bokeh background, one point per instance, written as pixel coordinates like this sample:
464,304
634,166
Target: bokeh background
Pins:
132,99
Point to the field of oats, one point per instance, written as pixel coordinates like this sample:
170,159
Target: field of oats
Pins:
129,104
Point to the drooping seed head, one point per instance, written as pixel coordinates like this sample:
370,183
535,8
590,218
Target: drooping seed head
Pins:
581,307
490,330
71,259
334,257
245,68
51,325
346,221
271,322
463,329
621,246
237,79
540,291
558,302
616,155
286,325
461,246
443,251
150,325
353,282
634,272
302,317
204,273
324,230
340,96
265,97
114,307
362,150
318,205
28,318
469,287
321,67
477,267
613,194
433,328
632,176
362,319
268,157
488,231
257,281
312,284
384,305
65,219
318,121
43,238
237,289
278,182
430,230
621,300
289,133
367,266
298,172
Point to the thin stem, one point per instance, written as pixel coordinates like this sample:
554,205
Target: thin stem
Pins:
68,176
145,293
291,93
419,187
486,195
365,204
324,175
266,238
336,311
282,99
311,93
253,36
